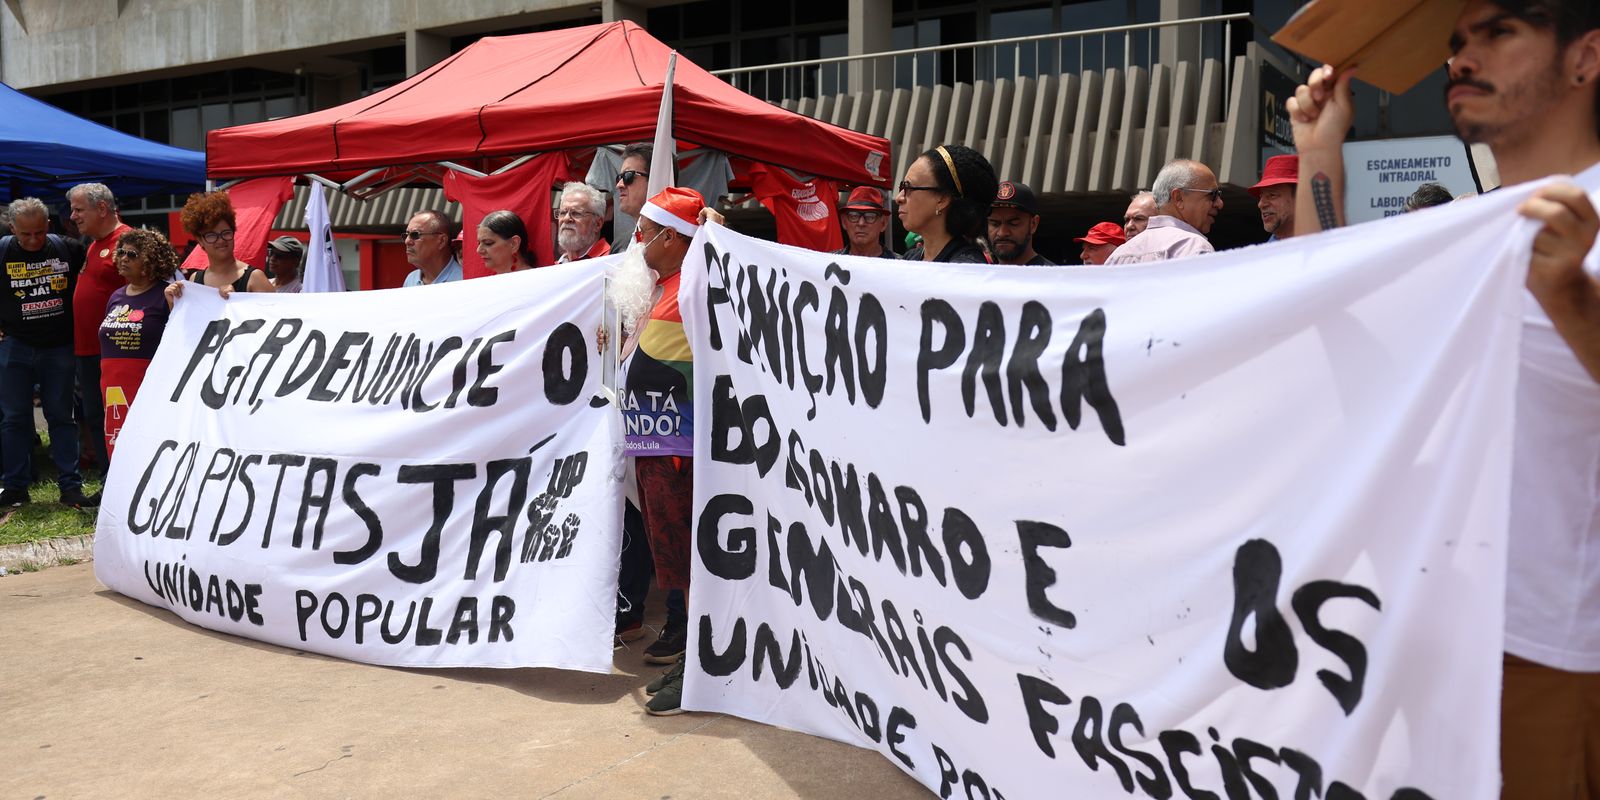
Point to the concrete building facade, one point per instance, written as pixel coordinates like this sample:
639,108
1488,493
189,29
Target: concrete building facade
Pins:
1087,118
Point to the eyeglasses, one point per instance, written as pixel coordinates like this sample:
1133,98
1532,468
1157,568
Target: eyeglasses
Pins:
868,217
907,188
627,176
126,253
212,237
573,215
415,235
1211,194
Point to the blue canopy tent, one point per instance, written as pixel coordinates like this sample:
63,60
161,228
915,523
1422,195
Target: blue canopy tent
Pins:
46,151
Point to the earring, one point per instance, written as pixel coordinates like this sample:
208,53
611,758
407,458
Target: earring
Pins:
938,211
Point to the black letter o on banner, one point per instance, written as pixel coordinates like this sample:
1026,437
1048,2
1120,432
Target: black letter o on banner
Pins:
1272,664
560,386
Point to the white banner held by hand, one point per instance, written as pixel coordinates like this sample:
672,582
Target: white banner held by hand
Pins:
1234,524
378,477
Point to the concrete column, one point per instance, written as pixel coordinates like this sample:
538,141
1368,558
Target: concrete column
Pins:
1179,43
618,10
870,25
424,49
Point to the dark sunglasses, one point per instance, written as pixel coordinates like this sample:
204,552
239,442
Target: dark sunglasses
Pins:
627,176
868,217
415,235
1211,194
126,253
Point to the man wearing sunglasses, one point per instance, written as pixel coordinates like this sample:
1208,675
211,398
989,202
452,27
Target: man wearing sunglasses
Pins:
633,182
1188,200
865,218
428,249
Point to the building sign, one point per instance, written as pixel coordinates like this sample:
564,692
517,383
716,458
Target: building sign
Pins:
1381,174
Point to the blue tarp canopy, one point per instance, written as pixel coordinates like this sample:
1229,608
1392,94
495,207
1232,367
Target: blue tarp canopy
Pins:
46,151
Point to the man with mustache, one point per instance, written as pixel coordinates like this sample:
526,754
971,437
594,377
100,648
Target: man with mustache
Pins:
1013,220
865,218
580,213
1523,81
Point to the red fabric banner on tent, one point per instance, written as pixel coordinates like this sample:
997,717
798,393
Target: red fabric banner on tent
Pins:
255,204
524,190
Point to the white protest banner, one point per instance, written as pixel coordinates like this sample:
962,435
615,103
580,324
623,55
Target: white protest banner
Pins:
1381,173
1225,527
419,477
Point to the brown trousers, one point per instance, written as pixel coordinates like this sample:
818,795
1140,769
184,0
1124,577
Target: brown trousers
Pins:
1549,733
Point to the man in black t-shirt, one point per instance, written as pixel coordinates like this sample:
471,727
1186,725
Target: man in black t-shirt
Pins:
36,350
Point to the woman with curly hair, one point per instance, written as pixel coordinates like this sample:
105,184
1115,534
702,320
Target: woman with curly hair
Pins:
209,218
136,317
945,198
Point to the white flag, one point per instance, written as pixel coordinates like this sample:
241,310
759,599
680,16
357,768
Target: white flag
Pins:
321,272
664,159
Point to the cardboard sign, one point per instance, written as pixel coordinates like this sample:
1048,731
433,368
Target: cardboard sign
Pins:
1393,43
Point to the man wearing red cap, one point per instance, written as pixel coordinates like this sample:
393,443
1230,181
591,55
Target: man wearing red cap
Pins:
658,406
1013,220
1274,195
865,218
1099,243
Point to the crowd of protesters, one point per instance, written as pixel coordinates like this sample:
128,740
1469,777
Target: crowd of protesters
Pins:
1522,80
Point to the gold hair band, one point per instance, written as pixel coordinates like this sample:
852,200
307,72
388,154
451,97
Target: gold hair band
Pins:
950,164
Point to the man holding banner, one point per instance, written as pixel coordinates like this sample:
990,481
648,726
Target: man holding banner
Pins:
1523,80
658,411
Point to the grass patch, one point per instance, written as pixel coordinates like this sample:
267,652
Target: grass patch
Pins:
45,517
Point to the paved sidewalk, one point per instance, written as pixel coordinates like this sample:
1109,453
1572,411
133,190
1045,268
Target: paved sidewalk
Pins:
103,697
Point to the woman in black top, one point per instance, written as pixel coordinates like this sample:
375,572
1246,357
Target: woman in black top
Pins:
209,217
945,198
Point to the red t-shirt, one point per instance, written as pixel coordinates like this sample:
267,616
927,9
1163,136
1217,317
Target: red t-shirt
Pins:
806,211
95,285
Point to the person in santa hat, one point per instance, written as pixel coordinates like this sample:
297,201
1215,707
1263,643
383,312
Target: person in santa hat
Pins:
658,405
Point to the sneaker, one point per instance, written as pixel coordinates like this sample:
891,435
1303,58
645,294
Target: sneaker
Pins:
674,671
75,498
13,498
668,648
627,632
668,700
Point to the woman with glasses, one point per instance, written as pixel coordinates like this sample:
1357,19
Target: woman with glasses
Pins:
503,242
136,318
209,218
945,198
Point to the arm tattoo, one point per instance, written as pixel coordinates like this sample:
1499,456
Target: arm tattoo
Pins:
1322,196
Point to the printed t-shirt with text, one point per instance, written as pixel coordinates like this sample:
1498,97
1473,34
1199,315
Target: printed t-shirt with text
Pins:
36,306
658,405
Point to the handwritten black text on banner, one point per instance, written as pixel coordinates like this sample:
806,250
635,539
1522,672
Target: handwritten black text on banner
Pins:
378,477
1176,530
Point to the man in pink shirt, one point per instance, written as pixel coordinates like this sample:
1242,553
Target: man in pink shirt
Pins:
1187,202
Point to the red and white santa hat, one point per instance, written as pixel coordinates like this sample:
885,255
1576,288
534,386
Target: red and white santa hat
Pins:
676,208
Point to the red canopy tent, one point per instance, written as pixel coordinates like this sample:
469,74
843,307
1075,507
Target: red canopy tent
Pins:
512,96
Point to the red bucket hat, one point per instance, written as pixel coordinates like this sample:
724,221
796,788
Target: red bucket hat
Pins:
1103,233
1278,170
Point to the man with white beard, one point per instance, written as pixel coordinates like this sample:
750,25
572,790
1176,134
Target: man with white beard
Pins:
579,215
658,398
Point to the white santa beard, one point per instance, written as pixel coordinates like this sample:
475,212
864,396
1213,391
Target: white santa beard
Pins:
632,288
